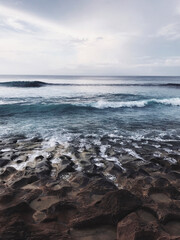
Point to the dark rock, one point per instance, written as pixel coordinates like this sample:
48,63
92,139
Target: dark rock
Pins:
20,207
161,182
61,205
81,180
65,159
19,161
7,197
113,207
117,168
24,181
93,173
39,158
175,175
4,162
8,171
161,162
170,191
67,169
100,186
43,168
16,230
133,227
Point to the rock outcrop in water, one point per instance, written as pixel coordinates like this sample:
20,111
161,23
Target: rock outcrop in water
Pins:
62,193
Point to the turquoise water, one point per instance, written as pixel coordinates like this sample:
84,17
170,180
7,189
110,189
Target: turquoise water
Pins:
68,107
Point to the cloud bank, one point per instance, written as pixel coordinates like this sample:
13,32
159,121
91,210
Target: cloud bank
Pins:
132,37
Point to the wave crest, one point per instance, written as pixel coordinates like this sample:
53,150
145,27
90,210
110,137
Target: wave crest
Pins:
130,104
24,84
20,104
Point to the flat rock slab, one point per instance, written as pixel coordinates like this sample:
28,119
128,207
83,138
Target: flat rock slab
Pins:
100,233
43,203
160,198
133,227
173,228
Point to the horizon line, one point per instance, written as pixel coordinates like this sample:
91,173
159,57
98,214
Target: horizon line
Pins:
81,75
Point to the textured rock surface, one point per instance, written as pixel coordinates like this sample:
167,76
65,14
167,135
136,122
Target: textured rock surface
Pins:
63,193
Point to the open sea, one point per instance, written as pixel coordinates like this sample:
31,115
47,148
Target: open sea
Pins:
130,111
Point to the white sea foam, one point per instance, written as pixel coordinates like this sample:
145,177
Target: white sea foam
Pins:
171,101
100,164
103,149
133,153
56,161
8,102
101,104
170,160
6,149
157,154
31,160
105,104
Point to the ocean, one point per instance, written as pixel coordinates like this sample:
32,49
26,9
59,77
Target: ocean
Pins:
129,113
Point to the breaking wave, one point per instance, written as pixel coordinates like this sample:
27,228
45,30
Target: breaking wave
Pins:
36,84
131,104
24,84
8,108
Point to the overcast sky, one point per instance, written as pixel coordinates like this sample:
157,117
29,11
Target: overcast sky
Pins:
90,37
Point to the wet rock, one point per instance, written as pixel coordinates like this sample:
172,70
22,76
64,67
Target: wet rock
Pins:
39,216
42,203
65,159
161,162
8,171
16,229
161,182
28,195
67,169
80,180
4,162
52,194
63,191
116,168
19,161
103,232
160,198
173,228
135,227
99,186
24,181
170,191
113,207
175,175
43,168
39,158
19,207
61,205
7,197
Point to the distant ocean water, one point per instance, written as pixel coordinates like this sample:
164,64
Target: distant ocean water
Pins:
67,108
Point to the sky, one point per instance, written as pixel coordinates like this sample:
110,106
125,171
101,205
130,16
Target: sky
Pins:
90,37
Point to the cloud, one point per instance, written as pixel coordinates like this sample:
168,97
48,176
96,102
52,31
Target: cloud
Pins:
173,61
88,37
170,31
21,20
38,42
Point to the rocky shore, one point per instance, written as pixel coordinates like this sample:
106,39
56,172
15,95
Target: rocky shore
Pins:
68,192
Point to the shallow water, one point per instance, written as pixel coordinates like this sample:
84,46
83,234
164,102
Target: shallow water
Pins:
127,110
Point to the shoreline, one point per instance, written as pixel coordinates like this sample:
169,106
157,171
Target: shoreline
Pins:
77,192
